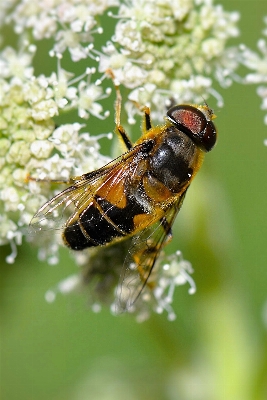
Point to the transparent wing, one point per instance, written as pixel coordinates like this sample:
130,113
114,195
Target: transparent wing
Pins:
71,202
142,256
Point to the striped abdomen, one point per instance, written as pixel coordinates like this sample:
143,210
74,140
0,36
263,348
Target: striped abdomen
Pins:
101,223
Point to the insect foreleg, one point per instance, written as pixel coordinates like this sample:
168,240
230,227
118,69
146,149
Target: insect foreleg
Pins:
119,130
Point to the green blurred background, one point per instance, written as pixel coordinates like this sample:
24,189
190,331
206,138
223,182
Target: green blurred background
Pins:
217,347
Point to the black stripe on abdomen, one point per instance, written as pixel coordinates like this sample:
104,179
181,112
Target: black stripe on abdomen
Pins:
101,225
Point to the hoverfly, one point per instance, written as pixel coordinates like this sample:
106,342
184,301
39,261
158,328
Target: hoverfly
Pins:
137,195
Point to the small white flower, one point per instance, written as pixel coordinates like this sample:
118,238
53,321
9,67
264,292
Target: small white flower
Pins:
87,100
41,148
257,63
10,197
15,65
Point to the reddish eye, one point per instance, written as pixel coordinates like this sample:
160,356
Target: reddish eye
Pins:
195,124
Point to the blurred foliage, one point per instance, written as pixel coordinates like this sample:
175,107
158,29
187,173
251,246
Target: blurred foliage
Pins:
217,347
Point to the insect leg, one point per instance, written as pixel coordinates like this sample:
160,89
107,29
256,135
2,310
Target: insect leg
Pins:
123,135
147,118
60,181
147,124
118,127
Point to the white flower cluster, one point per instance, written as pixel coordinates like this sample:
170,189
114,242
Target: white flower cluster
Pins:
31,145
171,51
70,23
101,274
169,272
257,63
161,51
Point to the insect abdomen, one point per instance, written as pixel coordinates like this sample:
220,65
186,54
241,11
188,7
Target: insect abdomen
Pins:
101,223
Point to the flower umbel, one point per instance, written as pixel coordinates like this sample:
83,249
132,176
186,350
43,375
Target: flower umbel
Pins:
102,271
30,143
160,52
171,50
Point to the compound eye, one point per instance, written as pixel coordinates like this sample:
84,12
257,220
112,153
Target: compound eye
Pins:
209,136
188,117
195,124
